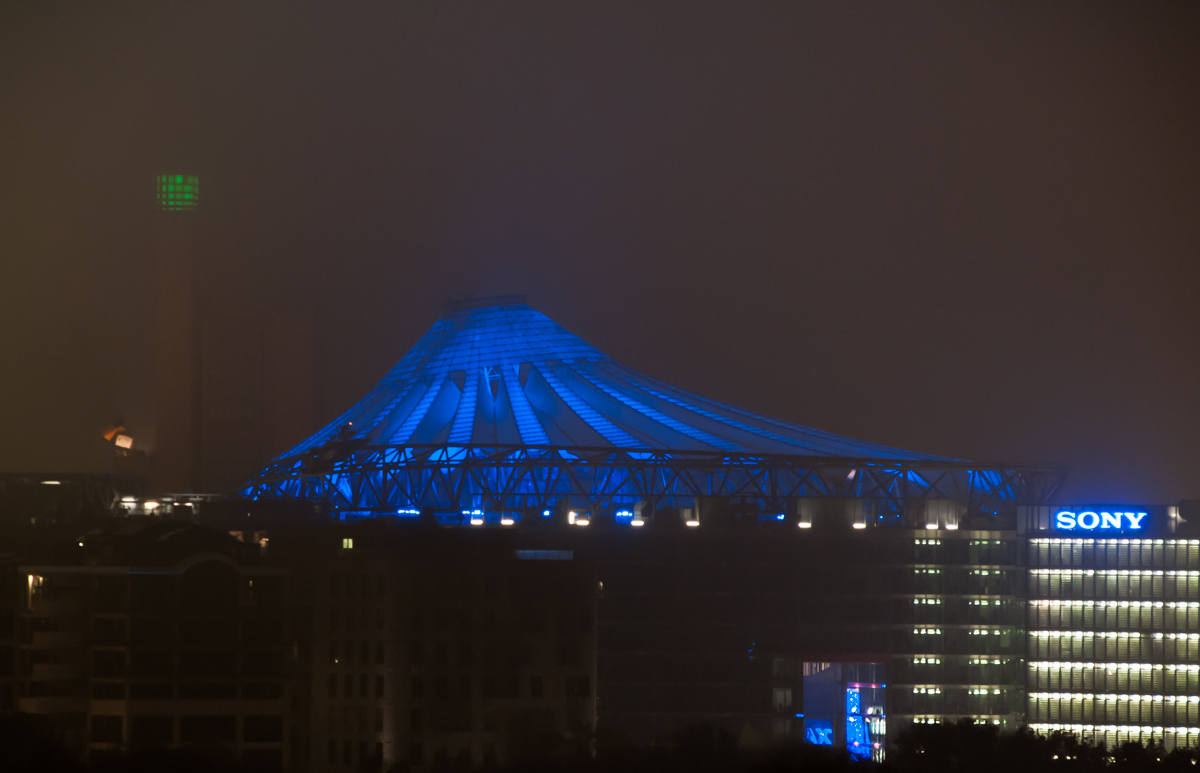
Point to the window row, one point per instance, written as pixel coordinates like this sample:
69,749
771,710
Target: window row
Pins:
357,619
954,701
355,719
1105,709
159,730
345,685
461,757
360,755
1115,677
1112,736
532,619
226,631
567,652
1088,584
977,641
1113,554
165,690
352,586
163,664
343,653
904,672
509,686
1125,647
1115,615
933,551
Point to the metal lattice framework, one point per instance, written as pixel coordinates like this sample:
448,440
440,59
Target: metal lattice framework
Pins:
385,480
498,408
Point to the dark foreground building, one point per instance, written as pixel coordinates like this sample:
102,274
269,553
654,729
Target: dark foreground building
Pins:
323,648
155,633
434,650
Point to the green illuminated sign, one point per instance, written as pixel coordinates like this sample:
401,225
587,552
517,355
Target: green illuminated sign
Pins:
178,191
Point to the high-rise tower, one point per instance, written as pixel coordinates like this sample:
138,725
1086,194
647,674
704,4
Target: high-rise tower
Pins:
233,374
175,366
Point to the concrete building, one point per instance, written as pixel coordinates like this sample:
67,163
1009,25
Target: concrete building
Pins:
429,649
159,633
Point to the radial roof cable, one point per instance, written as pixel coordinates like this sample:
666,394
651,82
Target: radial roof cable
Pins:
405,431
808,444
464,419
717,417
383,415
662,418
609,431
813,436
527,423
320,436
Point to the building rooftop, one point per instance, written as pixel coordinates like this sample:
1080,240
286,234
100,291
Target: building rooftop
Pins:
509,375
497,407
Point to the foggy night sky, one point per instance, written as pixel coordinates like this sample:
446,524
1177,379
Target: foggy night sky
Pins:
964,230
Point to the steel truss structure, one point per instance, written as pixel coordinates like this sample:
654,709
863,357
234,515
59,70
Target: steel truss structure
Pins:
384,480
499,408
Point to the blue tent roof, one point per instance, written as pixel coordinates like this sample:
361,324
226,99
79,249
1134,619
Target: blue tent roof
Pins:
505,374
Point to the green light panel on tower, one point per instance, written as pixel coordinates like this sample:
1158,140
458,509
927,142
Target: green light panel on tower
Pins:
178,192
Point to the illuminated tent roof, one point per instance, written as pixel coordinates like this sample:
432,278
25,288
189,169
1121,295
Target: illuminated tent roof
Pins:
509,375
497,407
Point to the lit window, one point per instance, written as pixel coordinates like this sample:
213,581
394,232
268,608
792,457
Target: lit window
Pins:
347,543
545,555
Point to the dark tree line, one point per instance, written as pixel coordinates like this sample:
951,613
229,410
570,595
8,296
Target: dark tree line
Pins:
951,747
982,748
27,746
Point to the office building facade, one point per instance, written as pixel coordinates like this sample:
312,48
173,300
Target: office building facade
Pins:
1114,624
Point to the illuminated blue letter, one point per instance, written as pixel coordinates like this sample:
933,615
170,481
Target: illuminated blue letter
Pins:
1110,521
1093,520
1065,520
1135,520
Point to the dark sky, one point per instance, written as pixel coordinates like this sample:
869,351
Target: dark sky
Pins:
970,230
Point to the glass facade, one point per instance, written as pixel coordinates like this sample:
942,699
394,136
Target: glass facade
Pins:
961,647
1114,639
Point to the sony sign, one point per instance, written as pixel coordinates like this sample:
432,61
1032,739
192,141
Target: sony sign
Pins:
1070,520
